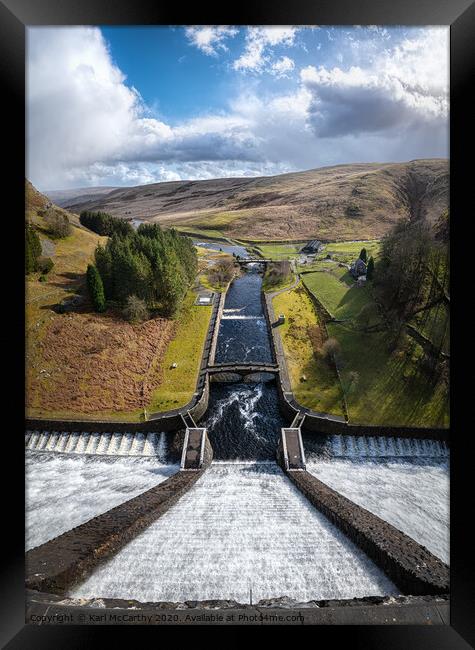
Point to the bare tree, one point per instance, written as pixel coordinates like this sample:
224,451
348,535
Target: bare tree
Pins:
222,272
330,349
135,310
278,272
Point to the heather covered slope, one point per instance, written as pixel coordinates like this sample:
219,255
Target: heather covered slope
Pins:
84,365
71,197
355,201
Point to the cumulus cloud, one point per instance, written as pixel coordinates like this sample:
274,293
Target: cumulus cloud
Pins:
210,39
80,111
87,126
404,87
259,44
282,66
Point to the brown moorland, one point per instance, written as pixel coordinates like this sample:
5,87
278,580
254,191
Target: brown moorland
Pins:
344,202
80,363
90,363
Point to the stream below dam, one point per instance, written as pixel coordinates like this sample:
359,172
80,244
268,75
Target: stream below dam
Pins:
243,527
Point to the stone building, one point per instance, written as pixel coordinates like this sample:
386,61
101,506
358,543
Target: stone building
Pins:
358,268
312,247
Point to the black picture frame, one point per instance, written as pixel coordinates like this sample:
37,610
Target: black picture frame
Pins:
14,16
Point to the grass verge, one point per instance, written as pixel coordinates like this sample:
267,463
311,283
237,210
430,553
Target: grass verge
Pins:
178,384
313,381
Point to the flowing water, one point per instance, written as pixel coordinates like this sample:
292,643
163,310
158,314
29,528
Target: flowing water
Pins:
403,481
243,333
244,421
65,490
239,251
154,445
242,526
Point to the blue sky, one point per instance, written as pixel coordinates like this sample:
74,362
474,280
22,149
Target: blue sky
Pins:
130,105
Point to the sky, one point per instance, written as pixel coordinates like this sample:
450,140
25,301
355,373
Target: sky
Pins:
122,106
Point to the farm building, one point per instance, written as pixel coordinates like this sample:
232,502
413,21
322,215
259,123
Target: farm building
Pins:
358,268
312,247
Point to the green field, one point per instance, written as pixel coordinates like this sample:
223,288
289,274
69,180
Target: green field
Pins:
178,384
389,387
197,231
381,386
349,251
333,289
313,380
277,251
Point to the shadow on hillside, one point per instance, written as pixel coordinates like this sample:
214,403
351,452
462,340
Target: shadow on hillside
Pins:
68,281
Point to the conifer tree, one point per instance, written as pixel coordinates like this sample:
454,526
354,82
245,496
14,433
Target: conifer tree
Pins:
96,288
32,249
370,268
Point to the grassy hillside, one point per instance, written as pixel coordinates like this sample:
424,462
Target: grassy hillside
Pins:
97,366
345,202
382,385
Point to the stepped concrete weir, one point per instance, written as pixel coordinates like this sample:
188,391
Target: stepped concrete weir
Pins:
414,569
243,530
61,562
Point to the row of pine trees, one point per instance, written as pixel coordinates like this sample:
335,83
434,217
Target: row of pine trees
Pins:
104,223
154,265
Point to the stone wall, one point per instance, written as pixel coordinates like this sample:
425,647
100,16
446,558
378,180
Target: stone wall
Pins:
214,340
320,308
409,565
199,409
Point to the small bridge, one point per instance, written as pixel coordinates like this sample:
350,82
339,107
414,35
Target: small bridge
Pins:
243,368
291,448
193,454
253,260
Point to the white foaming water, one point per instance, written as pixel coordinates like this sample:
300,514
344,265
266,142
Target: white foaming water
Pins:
240,317
412,496
246,399
107,444
242,526
383,447
63,491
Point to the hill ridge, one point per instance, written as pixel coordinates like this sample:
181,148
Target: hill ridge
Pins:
345,201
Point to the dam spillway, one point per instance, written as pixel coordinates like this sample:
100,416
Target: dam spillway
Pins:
63,491
242,526
153,445
377,447
405,481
